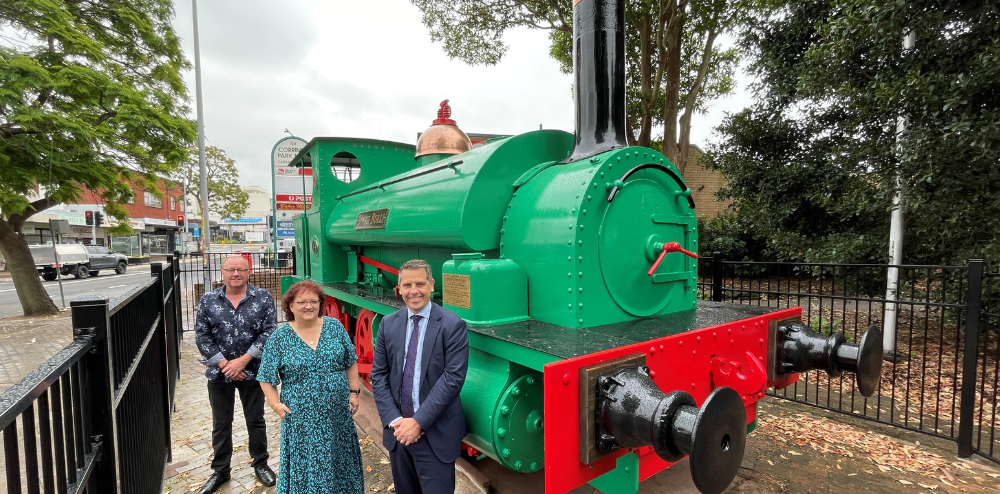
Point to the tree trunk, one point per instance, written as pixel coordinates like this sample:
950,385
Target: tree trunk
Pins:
35,301
673,39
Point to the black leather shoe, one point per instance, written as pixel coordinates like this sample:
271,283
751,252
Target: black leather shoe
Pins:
213,483
265,475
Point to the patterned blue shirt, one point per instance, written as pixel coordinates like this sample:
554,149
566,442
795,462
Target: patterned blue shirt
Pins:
224,332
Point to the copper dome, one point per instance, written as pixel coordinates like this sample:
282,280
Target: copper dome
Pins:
443,137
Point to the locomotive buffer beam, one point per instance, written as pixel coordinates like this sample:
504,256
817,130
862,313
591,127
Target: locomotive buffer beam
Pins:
800,349
630,411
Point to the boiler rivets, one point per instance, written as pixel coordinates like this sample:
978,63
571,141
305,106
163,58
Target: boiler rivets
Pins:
517,465
506,452
566,379
501,432
505,410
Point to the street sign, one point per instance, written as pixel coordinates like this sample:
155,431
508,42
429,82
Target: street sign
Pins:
282,233
59,227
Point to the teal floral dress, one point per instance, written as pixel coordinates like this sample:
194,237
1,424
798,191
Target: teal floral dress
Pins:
319,444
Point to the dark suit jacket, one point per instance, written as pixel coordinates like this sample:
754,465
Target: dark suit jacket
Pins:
444,363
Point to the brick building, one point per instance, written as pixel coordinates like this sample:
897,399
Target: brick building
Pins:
704,183
153,218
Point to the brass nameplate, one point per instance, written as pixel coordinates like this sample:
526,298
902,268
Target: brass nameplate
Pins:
458,290
372,220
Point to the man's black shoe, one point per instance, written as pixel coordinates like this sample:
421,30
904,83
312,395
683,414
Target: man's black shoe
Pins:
213,483
265,475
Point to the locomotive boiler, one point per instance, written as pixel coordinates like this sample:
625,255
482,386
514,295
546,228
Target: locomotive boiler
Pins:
572,259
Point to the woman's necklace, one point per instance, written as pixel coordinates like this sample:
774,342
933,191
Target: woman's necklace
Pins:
311,340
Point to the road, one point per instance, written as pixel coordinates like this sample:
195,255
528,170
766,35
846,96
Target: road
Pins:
106,284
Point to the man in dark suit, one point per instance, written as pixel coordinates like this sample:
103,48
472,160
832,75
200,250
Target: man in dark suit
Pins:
421,358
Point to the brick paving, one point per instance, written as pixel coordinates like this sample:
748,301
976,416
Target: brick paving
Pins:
25,343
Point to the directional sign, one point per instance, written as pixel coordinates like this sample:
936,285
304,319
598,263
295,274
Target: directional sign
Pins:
282,233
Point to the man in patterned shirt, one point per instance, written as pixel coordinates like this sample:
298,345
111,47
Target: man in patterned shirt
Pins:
231,327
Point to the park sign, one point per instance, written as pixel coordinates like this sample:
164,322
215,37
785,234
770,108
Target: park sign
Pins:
291,186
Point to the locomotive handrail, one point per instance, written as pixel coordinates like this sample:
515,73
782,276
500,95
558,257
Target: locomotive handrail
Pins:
380,185
668,171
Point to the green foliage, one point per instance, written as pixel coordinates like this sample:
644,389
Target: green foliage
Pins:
91,98
673,66
812,165
225,196
729,236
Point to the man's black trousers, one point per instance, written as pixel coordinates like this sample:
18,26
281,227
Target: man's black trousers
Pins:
222,396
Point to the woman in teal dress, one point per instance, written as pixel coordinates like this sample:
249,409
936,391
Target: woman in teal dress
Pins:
313,360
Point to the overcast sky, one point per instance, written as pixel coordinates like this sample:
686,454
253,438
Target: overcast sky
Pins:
362,69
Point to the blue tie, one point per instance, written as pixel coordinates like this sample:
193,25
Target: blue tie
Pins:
408,368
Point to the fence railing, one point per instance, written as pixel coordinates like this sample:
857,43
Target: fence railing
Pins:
941,379
266,272
95,417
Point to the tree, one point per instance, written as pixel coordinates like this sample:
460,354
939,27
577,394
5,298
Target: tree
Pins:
813,164
674,66
91,98
225,196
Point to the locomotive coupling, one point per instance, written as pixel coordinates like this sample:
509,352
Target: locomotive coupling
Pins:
801,349
632,412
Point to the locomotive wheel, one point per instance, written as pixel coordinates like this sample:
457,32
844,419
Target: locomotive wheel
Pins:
333,308
364,346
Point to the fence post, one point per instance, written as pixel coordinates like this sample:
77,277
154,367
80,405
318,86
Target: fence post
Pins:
156,269
178,310
717,277
967,407
92,319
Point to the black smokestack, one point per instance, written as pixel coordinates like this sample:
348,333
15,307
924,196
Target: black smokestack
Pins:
599,76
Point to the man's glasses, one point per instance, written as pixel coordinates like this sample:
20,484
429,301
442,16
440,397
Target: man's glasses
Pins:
303,303
233,270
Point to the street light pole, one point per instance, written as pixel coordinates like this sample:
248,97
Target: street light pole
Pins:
895,237
205,238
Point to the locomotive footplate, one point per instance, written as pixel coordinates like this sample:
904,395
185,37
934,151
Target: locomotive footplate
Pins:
561,342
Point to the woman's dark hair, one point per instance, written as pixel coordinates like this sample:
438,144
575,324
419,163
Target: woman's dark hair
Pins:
297,289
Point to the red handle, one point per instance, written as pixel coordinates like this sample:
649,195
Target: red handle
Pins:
669,247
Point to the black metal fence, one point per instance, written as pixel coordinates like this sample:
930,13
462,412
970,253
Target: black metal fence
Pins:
95,417
941,379
266,271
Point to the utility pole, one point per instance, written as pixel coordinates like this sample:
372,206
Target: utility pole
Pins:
895,235
205,234
184,212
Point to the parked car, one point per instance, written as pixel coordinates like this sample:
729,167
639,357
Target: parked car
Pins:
102,258
79,260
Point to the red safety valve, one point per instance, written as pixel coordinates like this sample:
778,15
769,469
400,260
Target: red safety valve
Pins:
669,247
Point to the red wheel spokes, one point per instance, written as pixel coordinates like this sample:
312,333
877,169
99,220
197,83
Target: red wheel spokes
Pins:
364,347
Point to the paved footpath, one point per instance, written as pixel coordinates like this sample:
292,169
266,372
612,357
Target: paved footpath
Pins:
26,343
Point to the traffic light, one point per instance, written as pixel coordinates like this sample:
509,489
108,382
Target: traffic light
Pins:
90,217
180,220
270,222
98,218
